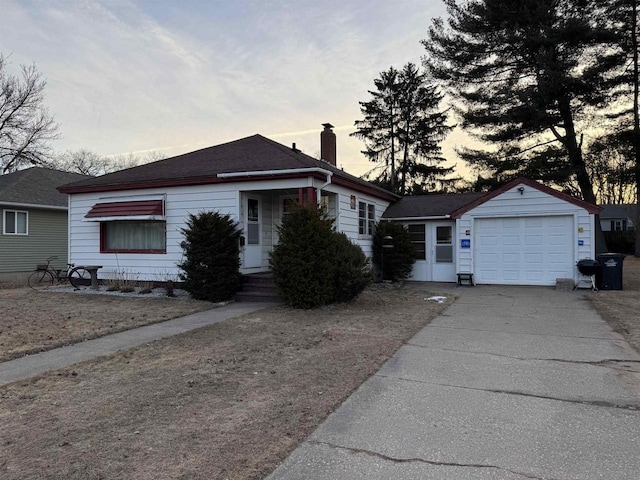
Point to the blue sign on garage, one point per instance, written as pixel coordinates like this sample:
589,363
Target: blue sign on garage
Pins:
465,243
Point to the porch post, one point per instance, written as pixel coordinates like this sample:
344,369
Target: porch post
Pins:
311,195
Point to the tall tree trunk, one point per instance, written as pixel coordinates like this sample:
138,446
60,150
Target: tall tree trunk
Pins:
574,151
405,158
636,119
393,154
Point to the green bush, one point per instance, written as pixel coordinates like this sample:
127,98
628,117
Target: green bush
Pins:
302,262
312,265
352,273
399,260
211,266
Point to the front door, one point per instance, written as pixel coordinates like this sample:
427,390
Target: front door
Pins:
253,233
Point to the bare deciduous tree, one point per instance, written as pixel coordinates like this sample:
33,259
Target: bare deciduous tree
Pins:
82,161
90,163
26,128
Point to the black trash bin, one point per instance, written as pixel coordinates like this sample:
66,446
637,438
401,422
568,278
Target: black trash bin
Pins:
611,276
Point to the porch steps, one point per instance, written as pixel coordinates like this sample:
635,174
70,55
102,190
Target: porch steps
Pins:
258,287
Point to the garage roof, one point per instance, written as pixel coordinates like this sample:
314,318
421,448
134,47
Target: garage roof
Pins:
589,207
429,206
455,205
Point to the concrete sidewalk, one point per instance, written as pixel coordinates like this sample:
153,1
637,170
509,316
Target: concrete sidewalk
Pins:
508,383
31,365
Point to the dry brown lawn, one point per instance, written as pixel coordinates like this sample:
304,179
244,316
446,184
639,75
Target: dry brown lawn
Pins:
229,401
34,321
621,308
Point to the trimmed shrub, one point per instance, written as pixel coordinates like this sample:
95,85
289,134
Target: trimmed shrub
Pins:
352,273
302,261
312,265
211,266
399,260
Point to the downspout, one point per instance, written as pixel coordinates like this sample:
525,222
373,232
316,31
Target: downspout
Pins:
328,182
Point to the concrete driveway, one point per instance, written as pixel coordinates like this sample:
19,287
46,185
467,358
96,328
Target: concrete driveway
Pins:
509,383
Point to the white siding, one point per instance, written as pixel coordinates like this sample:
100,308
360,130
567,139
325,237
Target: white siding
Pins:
347,218
84,237
531,202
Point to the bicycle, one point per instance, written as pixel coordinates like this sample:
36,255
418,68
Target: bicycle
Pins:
45,275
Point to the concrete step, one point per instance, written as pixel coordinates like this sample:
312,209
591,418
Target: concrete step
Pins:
258,288
253,296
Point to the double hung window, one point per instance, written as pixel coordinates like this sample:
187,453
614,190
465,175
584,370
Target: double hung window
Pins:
366,218
15,222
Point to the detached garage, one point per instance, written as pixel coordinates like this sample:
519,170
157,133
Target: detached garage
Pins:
521,234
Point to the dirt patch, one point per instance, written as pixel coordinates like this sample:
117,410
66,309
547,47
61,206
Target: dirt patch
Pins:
621,308
35,321
229,401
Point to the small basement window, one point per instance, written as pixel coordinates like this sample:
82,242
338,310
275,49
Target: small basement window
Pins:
132,236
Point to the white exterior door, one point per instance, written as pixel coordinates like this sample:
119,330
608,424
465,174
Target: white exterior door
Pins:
443,264
435,252
252,233
523,250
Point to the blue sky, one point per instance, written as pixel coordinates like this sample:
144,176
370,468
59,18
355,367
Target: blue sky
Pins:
174,76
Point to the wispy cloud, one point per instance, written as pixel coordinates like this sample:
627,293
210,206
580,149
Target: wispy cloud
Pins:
135,76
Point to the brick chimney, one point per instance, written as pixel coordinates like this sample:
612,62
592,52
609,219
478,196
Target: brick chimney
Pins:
328,144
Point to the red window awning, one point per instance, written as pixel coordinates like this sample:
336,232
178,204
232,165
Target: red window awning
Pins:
138,209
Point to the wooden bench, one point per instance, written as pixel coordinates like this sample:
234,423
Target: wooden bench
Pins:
465,279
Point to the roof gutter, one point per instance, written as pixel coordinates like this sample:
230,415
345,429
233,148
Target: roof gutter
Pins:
32,205
404,219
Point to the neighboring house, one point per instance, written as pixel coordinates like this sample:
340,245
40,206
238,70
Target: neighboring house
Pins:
131,221
618,218
521,234
33,220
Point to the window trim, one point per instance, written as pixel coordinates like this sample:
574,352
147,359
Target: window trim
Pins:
103,239
4,222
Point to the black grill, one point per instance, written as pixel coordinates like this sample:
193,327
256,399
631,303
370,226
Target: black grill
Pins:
589,267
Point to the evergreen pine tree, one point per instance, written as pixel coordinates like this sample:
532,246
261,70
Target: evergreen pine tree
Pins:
521,77
402,129
211,266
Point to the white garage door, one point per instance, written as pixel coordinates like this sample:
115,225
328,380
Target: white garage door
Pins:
523,250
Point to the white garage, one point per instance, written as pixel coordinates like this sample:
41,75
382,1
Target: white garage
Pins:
524,234
521,234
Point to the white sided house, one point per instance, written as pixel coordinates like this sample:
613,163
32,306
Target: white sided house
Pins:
130,221
521,234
